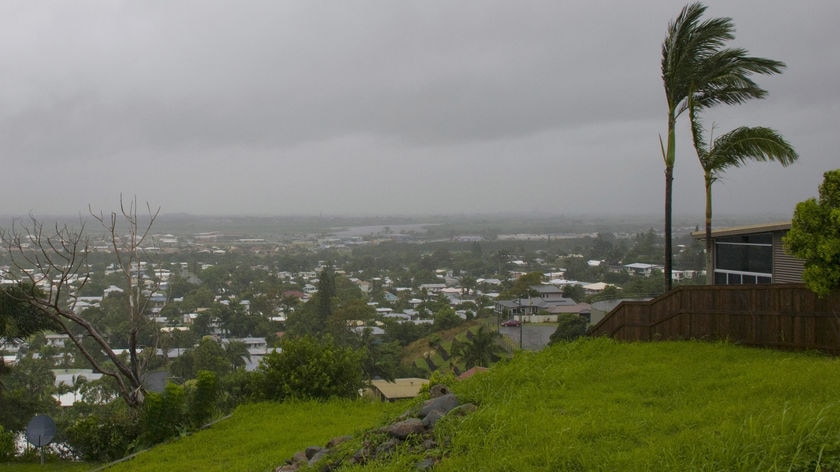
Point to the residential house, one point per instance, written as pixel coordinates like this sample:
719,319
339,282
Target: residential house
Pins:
640,268
399,389
753,254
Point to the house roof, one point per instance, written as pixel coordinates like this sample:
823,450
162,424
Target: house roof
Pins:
576,308
399,388
469,373
747,229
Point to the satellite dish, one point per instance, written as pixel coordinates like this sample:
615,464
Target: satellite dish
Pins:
40,431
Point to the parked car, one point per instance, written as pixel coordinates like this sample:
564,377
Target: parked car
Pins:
513,323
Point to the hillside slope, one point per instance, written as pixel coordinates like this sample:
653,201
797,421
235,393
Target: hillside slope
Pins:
589,405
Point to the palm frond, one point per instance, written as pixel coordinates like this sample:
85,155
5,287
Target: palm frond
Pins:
745,144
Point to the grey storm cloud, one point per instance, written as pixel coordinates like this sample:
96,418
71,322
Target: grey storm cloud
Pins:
442,106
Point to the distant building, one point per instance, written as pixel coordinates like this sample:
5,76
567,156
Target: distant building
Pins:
399,389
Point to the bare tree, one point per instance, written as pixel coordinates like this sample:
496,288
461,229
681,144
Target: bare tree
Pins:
52,265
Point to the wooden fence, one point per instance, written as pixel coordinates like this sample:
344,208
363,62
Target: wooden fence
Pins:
780,316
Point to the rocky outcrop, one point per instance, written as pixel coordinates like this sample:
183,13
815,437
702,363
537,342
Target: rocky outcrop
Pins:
413,430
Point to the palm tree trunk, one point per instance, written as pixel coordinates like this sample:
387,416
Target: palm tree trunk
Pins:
710,269
670,155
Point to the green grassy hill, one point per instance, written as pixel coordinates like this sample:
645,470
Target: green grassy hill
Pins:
589,405
436,352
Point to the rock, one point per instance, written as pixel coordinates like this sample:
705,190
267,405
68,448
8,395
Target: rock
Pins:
299,458
336,441
318,456
463,410
431,419
438,390
387,447
426,464
443,404
405,428
311,451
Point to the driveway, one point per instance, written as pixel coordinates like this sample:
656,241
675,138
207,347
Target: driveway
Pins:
534,336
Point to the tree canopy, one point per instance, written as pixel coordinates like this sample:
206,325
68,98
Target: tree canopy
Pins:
815,236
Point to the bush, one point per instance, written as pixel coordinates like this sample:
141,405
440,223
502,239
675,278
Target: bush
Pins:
102,439
203,398
569,328
7,445
164,414
308,368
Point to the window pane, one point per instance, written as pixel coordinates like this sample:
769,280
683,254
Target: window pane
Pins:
744,258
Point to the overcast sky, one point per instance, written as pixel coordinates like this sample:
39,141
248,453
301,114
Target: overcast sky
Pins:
389,107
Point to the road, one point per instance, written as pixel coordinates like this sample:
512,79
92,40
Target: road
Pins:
534,336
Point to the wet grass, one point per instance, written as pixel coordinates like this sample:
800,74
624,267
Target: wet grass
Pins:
589,405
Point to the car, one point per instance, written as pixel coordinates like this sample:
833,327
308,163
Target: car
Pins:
512,323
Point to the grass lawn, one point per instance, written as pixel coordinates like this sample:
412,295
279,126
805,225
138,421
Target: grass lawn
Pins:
601,405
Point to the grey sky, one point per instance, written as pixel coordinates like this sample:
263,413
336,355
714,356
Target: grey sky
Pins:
388,107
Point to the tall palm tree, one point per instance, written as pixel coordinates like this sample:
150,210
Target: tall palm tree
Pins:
734,149
697,68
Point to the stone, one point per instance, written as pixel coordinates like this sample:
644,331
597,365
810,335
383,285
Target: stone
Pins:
311,451
299,458
463,410
336,441
405,428
443,404
426,464
438,390
431,419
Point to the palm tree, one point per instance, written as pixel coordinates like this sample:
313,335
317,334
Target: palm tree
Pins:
481,350
734,149
236,352
697,69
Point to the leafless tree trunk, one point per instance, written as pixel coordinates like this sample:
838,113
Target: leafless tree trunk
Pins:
53,266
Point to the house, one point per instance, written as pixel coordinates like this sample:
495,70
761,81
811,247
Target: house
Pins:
399,389
640,268
432,288
540,310
752,254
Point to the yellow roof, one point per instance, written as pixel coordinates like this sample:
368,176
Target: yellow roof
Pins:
399,388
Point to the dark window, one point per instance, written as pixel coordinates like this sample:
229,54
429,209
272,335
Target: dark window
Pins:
749,253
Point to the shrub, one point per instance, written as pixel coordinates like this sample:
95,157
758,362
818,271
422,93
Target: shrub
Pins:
203,398
308,368
7,444
102,439
569,328
164,414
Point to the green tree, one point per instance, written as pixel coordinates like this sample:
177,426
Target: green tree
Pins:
309,368
27,390
575,292
202,394
446,318
211,356
522,286
481,349
164,414
698,71
18,319
814,236
569,328
236,353
734,149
